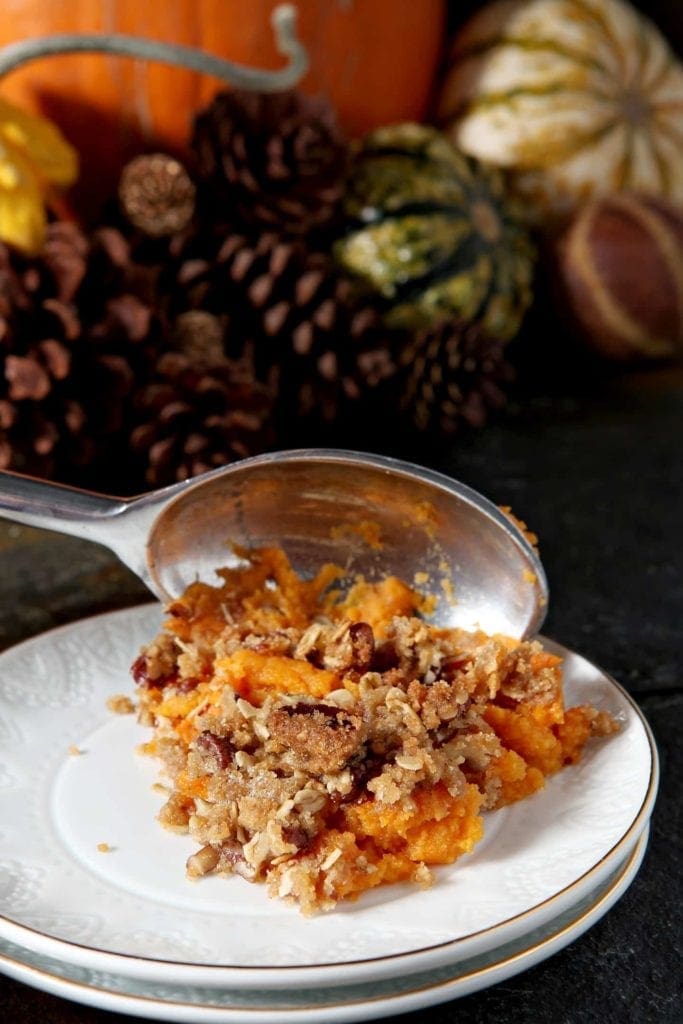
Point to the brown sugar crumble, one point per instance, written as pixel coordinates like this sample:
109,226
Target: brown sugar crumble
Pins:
121,704
326,741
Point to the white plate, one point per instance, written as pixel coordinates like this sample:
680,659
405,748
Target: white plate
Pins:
131,911
347,1003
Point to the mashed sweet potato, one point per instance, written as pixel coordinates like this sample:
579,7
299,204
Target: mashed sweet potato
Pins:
326,740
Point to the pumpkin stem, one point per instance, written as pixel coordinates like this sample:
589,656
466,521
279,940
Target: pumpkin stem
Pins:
283,21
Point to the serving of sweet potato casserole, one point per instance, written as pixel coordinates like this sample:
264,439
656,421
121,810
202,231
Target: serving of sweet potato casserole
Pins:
327,739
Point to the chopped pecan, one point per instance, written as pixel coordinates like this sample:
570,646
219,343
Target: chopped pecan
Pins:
362,646
363,769
157,665
450,666
140,671
319,737
342,647
386,657
232,859
179,610
297,836
218,747
187,685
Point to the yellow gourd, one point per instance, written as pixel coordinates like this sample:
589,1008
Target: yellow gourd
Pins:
576,98
34,157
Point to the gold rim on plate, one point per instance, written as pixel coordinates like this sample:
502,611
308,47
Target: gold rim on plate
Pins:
446,987
22,932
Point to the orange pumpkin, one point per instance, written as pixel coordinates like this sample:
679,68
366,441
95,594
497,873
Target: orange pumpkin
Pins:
375,60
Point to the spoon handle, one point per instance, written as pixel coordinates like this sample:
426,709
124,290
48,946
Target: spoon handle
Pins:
49,506
120,524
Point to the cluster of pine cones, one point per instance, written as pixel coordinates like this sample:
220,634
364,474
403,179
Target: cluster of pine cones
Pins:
204,319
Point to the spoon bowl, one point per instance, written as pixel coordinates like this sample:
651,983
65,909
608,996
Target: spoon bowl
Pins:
372,516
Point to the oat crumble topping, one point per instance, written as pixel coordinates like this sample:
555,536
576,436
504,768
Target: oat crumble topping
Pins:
326,742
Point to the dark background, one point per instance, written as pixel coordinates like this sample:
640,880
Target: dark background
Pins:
590,457
668,14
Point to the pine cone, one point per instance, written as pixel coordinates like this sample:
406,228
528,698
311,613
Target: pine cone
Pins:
277,159
453,375
199,411
157,195
294,312
38,416
71,345
65,254
121,334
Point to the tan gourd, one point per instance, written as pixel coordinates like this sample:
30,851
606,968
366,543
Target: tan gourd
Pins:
576,98
619,277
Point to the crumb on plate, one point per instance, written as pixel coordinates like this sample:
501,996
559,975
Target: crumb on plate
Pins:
121,704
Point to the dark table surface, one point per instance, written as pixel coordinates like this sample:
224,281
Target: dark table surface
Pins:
598,478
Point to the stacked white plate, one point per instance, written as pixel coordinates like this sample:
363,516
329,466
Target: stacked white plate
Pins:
96,907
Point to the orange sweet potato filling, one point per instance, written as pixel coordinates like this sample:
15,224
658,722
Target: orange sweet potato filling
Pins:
378,603
435,830
255,675
372,841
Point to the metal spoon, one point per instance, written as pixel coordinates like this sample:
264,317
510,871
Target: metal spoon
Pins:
374,516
